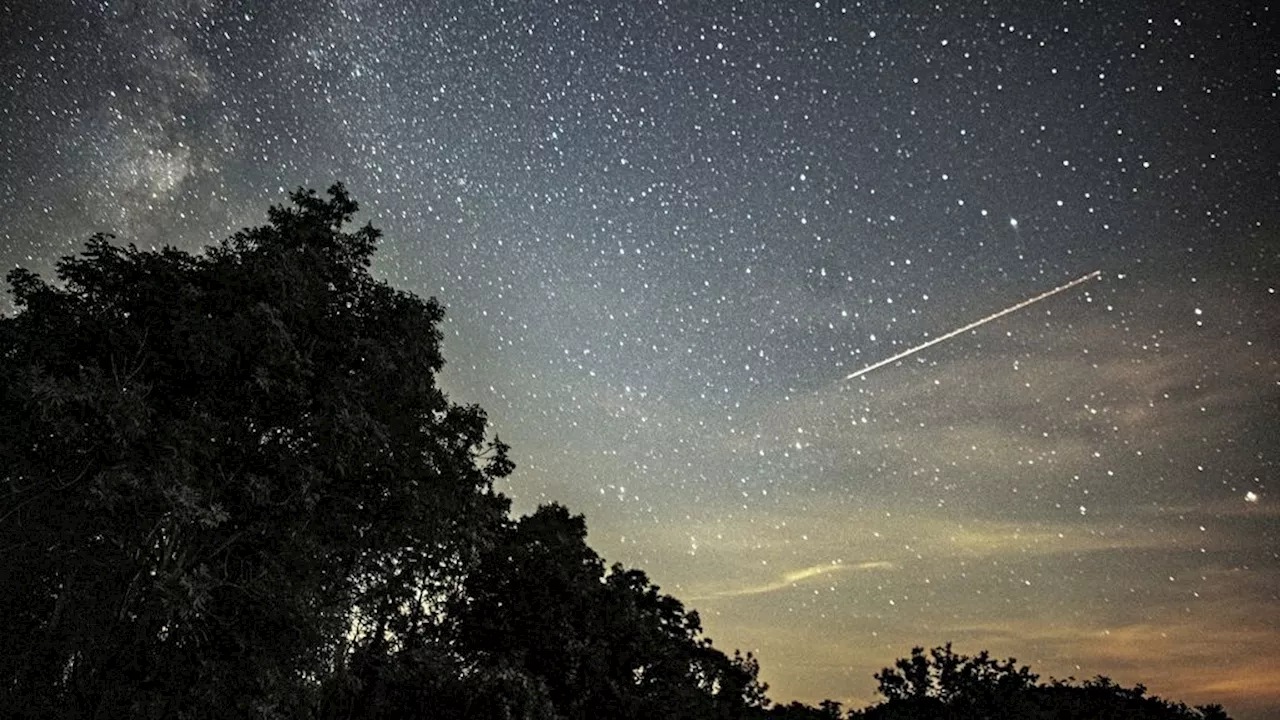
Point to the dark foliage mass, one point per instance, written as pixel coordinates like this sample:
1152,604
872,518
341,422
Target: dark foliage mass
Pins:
948,685
229,487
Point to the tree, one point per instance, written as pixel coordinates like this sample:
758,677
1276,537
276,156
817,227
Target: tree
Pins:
954,679
605,644
426,678
946,684
215,467
826,710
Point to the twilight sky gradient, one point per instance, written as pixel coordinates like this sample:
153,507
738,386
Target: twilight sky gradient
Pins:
667,230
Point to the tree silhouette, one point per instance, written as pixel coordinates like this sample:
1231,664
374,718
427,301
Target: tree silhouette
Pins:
605,644
946,684
954,679
826,710
214,465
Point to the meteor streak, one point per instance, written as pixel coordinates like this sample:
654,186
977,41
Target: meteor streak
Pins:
976,323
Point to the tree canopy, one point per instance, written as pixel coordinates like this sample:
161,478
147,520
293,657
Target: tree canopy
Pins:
215,464
605,644
945,684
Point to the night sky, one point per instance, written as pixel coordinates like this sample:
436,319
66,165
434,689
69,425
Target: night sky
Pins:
666,232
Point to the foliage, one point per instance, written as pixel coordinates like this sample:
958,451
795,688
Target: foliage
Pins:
826,710
945,684
426,679
213,465
605,644
954,679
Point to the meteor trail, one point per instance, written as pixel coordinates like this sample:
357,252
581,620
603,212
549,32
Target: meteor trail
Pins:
976,323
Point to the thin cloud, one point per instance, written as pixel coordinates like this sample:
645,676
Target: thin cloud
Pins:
792,579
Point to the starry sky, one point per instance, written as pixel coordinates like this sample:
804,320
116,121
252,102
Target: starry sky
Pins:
667,230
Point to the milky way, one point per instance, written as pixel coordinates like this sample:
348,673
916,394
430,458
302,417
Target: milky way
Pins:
666,231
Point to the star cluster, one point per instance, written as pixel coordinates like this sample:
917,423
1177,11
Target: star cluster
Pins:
667,231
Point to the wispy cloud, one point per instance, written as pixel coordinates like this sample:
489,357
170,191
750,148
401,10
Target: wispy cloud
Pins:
794,578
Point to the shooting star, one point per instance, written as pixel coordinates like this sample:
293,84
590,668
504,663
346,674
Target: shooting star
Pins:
976,323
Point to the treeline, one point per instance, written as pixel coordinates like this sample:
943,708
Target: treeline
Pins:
230,487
